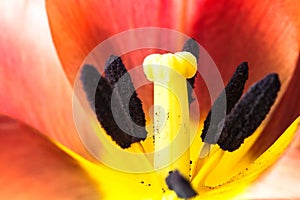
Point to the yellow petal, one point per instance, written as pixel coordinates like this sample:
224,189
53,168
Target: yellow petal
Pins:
241,180
114,184
232,162
282,180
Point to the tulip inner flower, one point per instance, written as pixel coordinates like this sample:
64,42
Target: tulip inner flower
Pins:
232,118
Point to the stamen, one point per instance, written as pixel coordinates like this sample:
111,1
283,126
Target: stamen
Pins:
115,72
249,112
232,93
90,78
192,47
126,122
180,185
114,69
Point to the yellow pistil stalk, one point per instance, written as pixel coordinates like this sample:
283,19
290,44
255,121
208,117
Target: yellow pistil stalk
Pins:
171,109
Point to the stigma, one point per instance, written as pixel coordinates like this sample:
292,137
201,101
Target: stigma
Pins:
156,66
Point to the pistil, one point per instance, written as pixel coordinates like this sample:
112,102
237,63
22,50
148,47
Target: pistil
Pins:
171,109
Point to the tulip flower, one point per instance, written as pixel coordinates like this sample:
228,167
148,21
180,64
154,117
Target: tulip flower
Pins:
43,45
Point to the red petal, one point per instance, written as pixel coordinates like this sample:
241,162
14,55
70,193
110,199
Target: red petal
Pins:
33,86
286,112
34,168
263,33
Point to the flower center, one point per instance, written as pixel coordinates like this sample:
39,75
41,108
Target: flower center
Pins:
230,121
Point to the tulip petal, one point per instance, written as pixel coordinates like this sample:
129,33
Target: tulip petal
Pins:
263,33
287,110
33,86
242,180
32,167
259,32
114,184
78,26
281,181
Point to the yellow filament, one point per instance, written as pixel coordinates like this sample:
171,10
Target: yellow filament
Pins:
205,166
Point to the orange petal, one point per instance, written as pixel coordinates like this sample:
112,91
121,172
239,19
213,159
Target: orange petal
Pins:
78,26
32,167
33,86
264,33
